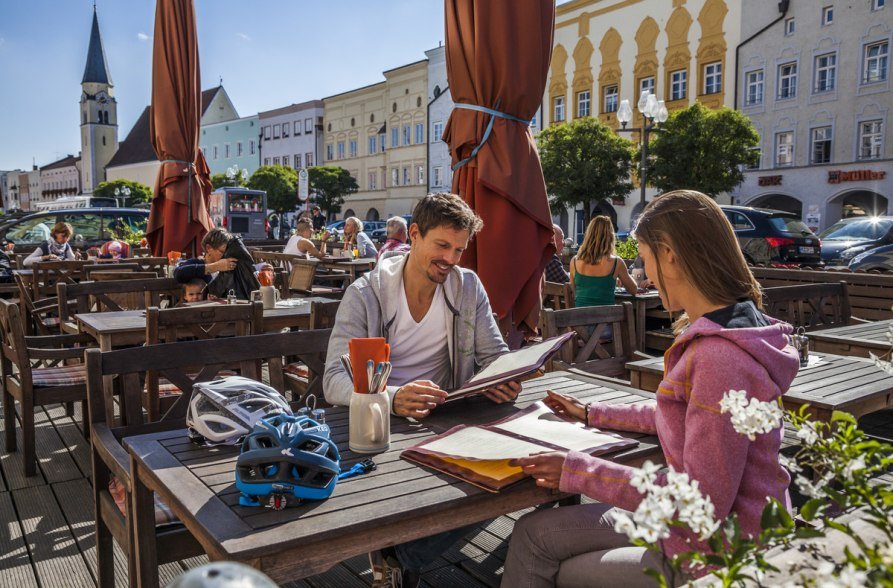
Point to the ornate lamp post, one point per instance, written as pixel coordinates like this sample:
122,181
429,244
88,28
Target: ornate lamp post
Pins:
234,173
122,192
654,113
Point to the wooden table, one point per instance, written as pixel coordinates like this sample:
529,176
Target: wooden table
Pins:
850,384
856,340
399,501
642,303
128,327
354,267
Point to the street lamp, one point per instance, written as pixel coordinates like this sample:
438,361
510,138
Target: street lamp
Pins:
654,113
234,173
122,192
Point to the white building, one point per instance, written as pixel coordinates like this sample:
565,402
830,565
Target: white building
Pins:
292,135
440,105
816,84
60,178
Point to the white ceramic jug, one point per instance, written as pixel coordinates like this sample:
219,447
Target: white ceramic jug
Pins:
268,295
370,423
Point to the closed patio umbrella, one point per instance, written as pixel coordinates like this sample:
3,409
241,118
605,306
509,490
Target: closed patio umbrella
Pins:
498,57
179,215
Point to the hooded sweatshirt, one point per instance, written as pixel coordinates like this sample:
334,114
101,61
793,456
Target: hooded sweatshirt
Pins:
744,350
369,308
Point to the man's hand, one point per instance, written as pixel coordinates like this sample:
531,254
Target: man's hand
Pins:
545,468
504,392
416,399
226,264
564,405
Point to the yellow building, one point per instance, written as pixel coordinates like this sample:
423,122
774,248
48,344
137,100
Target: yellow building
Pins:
606,51
378,134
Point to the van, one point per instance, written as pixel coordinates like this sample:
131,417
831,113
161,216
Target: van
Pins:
240,211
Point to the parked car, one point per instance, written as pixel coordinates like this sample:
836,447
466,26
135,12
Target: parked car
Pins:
849,237
773,236
92,226
879,258
337,228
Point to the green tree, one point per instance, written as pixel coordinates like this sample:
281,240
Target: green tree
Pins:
702,149
221,180
279,182
330,184
584,161
138,192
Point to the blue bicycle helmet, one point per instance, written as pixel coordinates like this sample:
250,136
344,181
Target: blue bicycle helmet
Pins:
287,456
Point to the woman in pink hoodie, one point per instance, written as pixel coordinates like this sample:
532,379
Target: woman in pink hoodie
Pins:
724,342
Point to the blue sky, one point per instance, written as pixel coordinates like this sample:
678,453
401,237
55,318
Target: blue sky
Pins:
270,53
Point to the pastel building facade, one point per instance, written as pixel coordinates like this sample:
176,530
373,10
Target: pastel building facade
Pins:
292,135
378,133
606,51
816,85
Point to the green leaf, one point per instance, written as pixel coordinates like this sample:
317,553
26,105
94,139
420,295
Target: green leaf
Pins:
839,416
807,533
812,506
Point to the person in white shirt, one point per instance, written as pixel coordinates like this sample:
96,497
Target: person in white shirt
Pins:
55,248
300,243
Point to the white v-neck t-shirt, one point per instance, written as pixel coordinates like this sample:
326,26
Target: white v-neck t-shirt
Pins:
419,351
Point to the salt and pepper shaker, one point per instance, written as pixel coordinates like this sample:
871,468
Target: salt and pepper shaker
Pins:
231,297
801,343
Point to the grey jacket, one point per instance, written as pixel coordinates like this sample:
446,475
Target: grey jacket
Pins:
369,308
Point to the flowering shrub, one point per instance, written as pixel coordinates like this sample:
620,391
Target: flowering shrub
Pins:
833,468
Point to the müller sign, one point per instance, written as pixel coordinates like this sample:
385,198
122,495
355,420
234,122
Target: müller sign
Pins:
837,176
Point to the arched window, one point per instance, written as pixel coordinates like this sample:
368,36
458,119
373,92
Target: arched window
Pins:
349,213
372,215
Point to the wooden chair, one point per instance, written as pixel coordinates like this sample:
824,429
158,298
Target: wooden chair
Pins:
49,273
812,306
150,264
141,252
41,318
33,375
303,274
556,296
605,339
89,270
111,462
103,296
196,322
298,376
107,276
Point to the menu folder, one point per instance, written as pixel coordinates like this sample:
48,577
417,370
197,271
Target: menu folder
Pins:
519,365
480,455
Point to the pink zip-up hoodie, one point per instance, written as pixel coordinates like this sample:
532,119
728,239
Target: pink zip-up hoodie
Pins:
738,475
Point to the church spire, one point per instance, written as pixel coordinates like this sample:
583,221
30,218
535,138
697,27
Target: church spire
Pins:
96,70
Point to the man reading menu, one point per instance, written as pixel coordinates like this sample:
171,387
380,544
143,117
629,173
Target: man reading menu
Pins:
436,317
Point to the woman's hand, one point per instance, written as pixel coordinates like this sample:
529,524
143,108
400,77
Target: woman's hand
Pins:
226,264
564,405
545,468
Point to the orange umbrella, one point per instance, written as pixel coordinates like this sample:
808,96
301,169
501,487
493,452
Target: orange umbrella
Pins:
179,216
498,57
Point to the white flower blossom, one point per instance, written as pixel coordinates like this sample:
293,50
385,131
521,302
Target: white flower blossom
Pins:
789,464
850,577
886,366
643,478
751,418
807,434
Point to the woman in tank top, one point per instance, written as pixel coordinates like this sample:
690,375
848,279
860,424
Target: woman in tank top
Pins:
595,269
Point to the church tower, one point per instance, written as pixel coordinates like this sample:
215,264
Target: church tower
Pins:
99,114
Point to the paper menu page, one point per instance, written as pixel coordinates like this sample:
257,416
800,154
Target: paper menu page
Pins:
522,359
542,423
480,444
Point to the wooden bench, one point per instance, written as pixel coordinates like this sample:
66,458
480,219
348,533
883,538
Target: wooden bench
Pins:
811,306
171,542
870,295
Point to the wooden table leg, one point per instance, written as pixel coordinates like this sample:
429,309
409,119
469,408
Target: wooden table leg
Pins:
640,325
143,561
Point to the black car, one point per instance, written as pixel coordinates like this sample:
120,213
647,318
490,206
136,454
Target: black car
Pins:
846,239
773,236
877,259
92,226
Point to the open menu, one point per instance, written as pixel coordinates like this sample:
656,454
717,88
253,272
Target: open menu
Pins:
481,454
514,365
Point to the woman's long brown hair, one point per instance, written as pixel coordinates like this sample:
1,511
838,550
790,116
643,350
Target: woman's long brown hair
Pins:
695,228
599,240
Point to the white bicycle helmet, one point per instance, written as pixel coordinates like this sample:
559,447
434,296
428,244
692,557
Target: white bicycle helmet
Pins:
223,411
223,574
